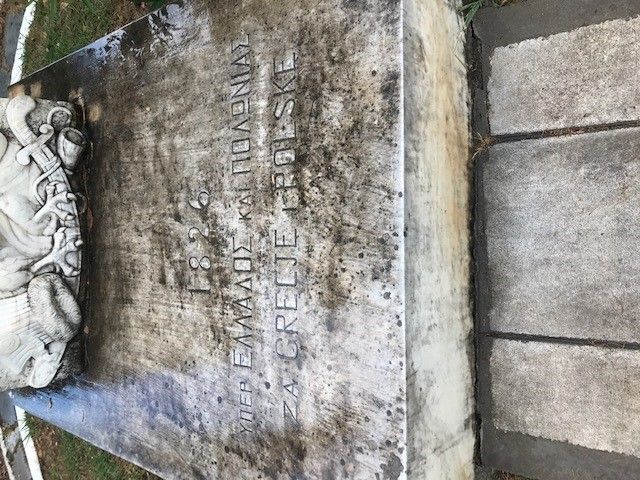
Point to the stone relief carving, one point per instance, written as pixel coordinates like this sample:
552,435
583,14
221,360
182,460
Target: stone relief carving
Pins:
40,239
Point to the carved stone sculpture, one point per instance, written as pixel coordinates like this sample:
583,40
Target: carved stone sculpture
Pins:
40,239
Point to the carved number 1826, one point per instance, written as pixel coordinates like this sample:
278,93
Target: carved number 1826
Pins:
201,203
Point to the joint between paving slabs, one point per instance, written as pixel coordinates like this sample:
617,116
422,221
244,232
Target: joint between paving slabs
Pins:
589,342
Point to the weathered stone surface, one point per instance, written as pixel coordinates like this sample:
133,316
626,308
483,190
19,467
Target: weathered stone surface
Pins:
583,77
12,23
13,450
259,271
561,230
439,387
582,395
520,20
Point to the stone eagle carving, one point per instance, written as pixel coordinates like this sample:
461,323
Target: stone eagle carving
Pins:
40,239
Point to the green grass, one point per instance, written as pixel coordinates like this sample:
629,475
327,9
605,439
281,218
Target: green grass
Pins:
62,27
79,456
64,456
154,4
31,425
58,31
470,9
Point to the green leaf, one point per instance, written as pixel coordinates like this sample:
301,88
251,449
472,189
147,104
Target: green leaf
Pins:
471,11
469,5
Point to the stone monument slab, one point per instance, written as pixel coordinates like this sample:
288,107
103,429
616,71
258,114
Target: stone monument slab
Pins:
278,251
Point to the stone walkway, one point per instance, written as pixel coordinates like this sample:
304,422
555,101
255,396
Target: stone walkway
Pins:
557,238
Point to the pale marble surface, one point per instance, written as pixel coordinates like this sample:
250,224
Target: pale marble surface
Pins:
437,260
251,306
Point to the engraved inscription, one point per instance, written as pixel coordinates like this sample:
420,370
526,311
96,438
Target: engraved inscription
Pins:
240,152
284,136
279,326
287,301
198,260
243,302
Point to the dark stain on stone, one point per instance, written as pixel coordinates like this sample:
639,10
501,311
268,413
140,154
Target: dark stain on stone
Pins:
393,468
197,473
275,455
171,407
330,321
389,89
389,8
329,472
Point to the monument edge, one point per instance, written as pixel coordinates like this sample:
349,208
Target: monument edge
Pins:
439,324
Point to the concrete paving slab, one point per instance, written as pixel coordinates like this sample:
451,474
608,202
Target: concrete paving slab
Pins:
559,220
582,395
584,77
523,453
525,19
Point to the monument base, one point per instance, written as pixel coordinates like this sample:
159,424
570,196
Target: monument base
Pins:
278,258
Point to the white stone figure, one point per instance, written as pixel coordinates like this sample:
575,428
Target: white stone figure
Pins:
40,240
